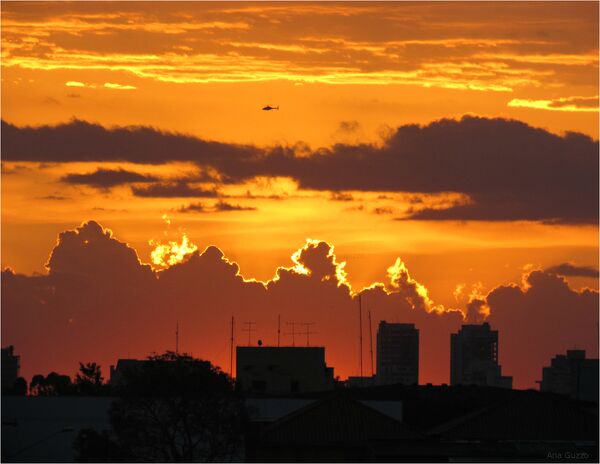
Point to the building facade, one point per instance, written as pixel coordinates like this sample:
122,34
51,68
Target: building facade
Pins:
118,373
572,375
397,354
282,370
474,357
10,367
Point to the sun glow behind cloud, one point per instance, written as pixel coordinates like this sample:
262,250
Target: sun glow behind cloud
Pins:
416,293
167,254
170,252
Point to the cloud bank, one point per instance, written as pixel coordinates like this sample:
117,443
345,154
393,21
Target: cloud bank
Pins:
507,169
107,178
572,270
99,302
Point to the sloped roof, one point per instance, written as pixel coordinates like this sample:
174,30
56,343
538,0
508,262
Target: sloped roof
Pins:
523,418
337,419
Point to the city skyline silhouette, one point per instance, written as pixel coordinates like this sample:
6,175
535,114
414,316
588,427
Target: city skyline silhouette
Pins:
142,301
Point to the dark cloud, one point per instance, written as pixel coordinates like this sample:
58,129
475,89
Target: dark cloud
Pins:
581,102
415,200
349,126
571,270
220,206
83,141
193,208
567,208
508,169
54,197
383,210
107,178
178,189
46,165
355,208
224,206
253,196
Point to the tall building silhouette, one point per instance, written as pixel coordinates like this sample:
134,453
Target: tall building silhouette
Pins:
572,375
397,354
474,357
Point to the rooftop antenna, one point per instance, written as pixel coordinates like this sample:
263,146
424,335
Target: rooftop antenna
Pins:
307,331
231,351
360,334
371,343
177,338
292,333
278,329
248,328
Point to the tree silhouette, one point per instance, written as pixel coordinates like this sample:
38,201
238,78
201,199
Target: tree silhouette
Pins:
89,380
52,385
171,408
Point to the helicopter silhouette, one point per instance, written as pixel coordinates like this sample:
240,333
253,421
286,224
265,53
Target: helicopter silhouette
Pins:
269,108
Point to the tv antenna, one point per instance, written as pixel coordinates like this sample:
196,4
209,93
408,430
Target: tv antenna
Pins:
278,329
248,328
360,335
292,333
231,351
371,343
307,331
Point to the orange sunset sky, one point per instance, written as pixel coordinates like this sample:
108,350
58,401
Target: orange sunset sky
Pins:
461,138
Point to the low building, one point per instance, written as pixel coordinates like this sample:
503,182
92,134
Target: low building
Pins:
335,428
10,367
361,382
123,365
474,357
282,370
572,375
524,427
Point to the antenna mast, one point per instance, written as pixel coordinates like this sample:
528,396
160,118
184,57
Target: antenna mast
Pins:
177,338
231,351
278,329
371,342
307,331
248,328
292,333
360,334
